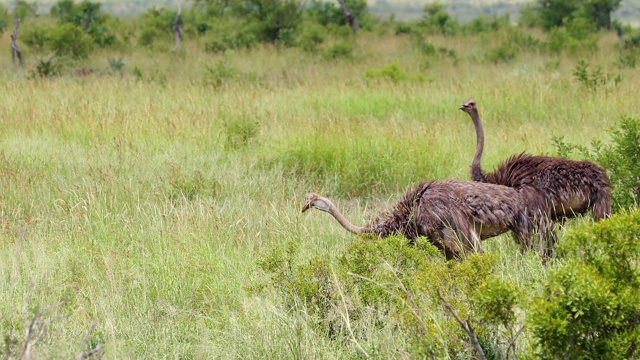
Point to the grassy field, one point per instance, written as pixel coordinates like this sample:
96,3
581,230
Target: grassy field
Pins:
143,204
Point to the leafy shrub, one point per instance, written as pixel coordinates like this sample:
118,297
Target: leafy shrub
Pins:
503,53
403,28
561,39
422,44
595,79
402,283
69,40
155,24
435,20
522,40
311,37
267,18
340,50
88,16
116,64
589,307
232,41
393,72
23,9
330,13
241,131
220,73
484,24
35,37
621,159
628,57
48,67
148,36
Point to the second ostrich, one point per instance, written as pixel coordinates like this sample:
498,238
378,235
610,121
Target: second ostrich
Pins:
455,215
568,187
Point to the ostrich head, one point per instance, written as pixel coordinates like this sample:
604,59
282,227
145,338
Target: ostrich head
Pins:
469,106
316,201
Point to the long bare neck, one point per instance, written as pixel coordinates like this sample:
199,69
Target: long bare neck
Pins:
345,223
476,168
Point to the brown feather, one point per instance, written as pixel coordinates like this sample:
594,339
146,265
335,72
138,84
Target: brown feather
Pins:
455,215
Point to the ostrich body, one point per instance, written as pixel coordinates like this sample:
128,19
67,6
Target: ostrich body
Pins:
571,187
455,215
567,187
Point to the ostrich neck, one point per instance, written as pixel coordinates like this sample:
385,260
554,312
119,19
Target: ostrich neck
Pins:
345,223
476,168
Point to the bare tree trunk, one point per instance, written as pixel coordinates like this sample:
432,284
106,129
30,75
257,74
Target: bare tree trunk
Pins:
177,29
15,50
353,22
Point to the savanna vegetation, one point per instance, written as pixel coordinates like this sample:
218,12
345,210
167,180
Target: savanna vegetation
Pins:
151,191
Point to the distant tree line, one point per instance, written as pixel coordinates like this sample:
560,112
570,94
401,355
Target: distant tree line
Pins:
223,25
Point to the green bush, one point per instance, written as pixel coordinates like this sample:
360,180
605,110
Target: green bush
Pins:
311,37
23,9
340,50
485,24
561,40
88,16
243,39
596,79
35,38
265,19
330,13
621,160
220,73
503,53
589,307
69,40
155,24
403,28
241,132
404,286
435,20
393,72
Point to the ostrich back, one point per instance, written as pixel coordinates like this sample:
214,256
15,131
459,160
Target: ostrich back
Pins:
566,187
466,207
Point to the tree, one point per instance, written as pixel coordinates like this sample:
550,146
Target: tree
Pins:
268,18
556,13
86,15
23,9
327,13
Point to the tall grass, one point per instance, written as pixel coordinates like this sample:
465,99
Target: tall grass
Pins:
144,204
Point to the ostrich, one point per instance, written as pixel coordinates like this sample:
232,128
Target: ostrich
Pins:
448,212
568,187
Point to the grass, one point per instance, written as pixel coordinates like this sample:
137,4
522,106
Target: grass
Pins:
146,205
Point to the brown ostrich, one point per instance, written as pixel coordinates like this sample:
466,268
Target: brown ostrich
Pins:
450,213
568,187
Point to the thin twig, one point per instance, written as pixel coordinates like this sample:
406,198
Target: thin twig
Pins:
466,326
36,327
89,353
512,342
